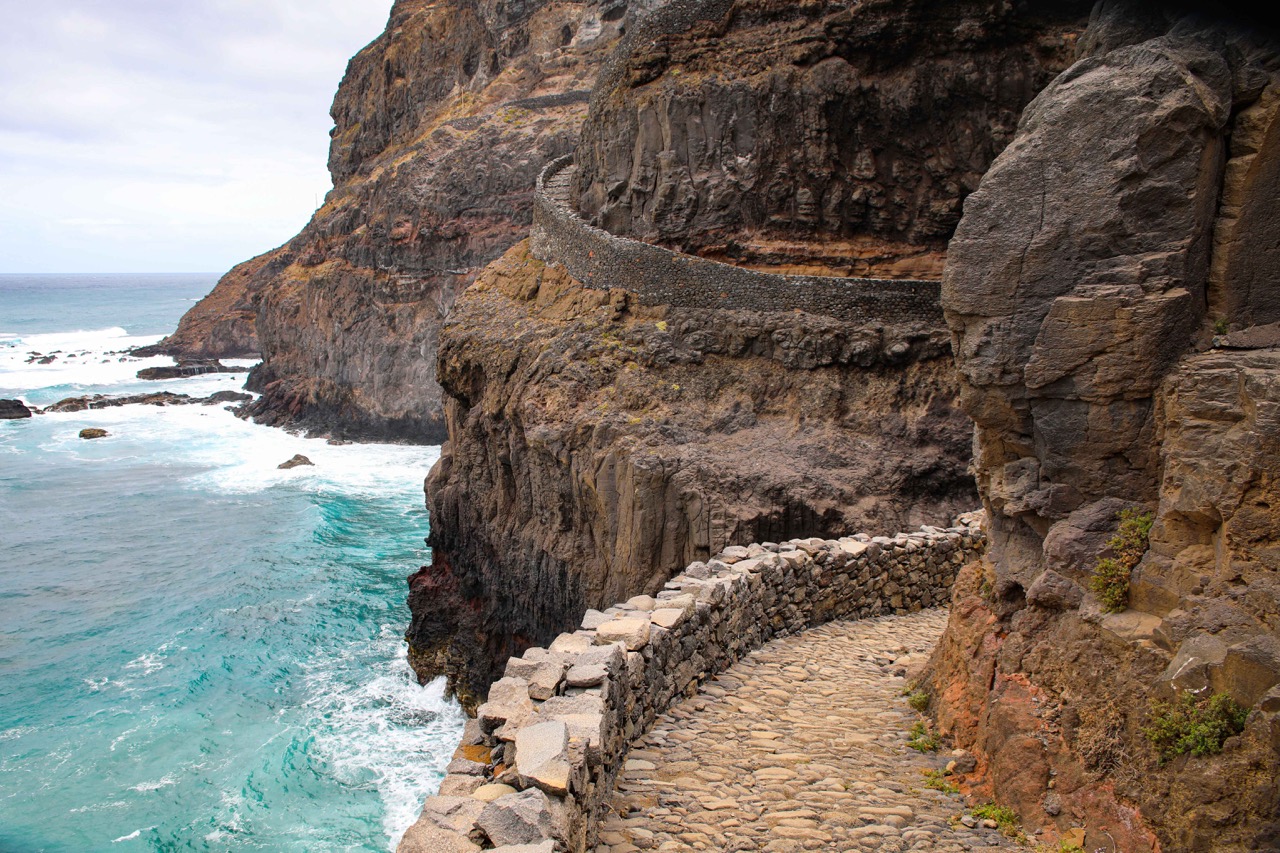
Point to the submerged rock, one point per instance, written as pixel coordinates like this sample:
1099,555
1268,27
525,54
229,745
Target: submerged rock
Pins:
93,432
12,410
297,460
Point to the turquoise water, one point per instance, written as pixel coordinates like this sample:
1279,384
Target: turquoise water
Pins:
198,651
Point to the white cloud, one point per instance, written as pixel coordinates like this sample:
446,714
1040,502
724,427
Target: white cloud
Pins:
148,135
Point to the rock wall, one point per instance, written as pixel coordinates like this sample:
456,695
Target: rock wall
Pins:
598,445
662,277
727,126
538,764
1103,303
442,124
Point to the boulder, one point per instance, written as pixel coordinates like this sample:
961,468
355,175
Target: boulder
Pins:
12,410
542,756
517,818
297,460
633,631
93,432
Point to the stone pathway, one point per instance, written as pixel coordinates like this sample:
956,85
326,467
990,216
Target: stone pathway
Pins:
800,746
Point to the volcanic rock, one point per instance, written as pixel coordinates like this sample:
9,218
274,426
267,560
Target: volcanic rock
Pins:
297,460
1102,254
93,432
12,410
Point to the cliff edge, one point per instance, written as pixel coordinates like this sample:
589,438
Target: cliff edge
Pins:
1116,348
601,438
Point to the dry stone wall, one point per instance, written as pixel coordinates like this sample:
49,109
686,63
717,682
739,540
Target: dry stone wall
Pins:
536,769
662,277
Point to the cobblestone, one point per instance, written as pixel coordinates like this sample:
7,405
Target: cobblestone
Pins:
799,746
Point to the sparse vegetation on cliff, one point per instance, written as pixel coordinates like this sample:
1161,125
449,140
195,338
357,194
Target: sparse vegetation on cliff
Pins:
1110,581
922,738
1196,726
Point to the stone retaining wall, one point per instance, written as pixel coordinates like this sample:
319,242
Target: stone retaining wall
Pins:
536,768
662,277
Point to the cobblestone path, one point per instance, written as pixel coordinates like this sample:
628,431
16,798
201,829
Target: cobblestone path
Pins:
800,746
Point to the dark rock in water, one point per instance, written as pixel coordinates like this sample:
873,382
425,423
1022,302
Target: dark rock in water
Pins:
227,397
12,410
297,460
48,359
93,432
188,368
104,401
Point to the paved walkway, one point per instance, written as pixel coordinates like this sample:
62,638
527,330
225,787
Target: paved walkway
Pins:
801,746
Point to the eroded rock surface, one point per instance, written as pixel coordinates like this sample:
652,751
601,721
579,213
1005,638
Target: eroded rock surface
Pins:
1096,268
442,124
832,136
598,446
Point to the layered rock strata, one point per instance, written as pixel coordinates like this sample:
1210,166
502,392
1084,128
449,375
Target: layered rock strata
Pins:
442,125
1084,287
597,445
538,764
602,436
833,136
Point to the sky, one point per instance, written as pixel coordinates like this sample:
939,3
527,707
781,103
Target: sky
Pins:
166,135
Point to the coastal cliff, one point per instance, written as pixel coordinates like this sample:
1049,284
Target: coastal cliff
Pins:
599,440
1116,348
442,124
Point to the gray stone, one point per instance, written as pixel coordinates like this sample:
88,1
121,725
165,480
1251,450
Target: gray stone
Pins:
426,837
546,679
588,675
542,756
547,846
519,818
633,631
508,702
454,813
1052,591
593,619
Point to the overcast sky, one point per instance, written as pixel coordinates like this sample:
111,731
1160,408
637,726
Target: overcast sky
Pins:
166,135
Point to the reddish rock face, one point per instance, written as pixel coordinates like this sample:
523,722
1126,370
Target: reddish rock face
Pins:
1099,297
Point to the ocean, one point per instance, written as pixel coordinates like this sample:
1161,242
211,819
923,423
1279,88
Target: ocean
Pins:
198,651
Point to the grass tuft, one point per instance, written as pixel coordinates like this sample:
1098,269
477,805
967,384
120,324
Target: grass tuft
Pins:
1110,581
1194,726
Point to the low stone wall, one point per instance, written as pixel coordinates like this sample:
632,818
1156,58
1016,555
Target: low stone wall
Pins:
537,767
663,277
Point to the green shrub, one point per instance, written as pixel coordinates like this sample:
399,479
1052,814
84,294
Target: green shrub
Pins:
1005,818
1110,581
923,740
937,780
1195,726
1221,326
918,701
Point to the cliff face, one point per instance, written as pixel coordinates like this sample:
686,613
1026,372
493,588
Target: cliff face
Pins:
442,124
597,445
222,325
1113,336
813,133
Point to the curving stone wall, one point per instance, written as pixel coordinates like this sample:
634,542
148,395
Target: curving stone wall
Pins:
662,277
536,768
